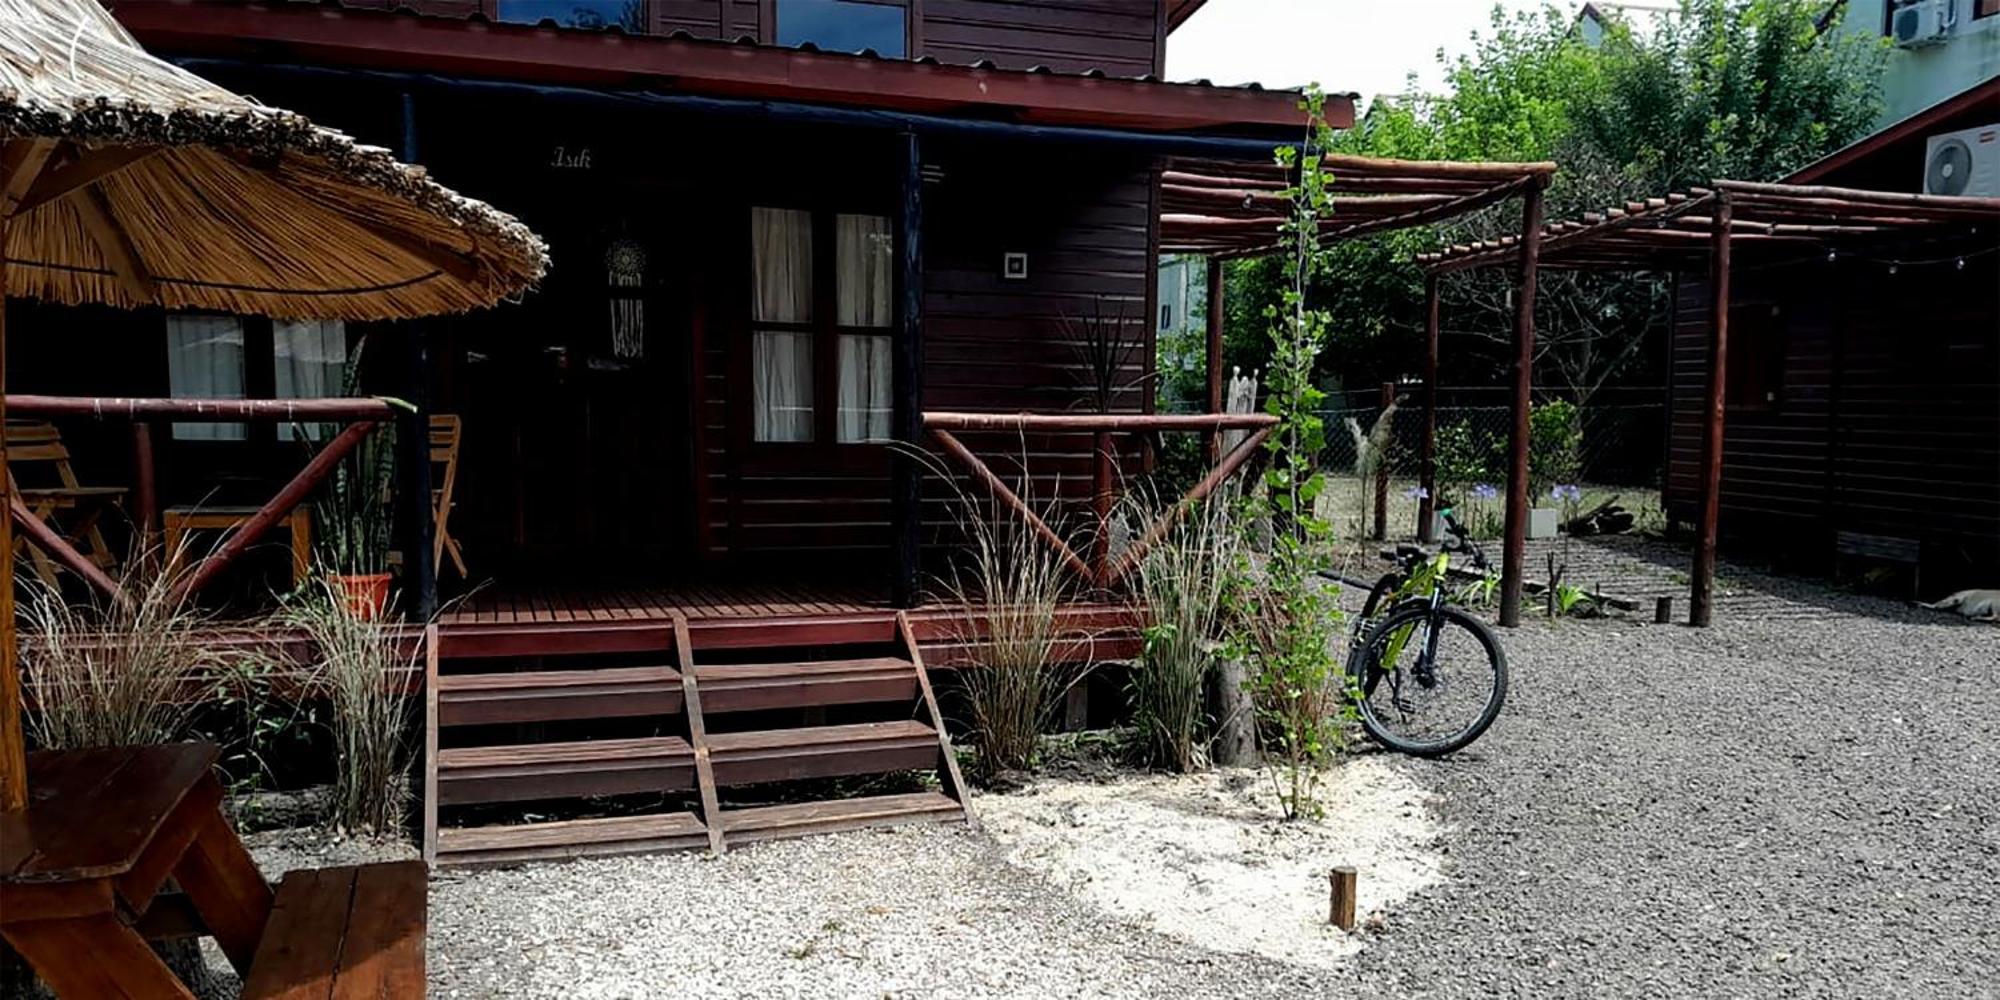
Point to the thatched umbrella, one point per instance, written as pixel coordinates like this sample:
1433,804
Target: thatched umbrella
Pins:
127,181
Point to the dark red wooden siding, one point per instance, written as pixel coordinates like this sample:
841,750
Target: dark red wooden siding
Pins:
1120,37
1887,416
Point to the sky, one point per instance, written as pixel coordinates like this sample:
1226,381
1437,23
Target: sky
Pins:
1369,46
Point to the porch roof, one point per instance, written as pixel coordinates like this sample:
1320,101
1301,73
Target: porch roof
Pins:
1228,209
1677,232
402,40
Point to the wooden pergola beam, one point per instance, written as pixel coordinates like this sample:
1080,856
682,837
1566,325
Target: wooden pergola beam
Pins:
1514,549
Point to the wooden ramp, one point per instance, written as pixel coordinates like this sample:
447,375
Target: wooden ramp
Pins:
714,704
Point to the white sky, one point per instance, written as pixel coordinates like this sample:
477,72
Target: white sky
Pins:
1361,45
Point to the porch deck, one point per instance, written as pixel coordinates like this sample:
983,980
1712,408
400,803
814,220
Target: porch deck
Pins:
556,620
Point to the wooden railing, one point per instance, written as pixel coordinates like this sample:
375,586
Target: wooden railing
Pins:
362,415
1101,570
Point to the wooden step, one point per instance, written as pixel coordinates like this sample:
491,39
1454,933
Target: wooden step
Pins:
821,752
557,695
577,838
760,686
564,770
743,826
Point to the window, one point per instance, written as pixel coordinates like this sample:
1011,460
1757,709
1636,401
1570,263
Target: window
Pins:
627,14
205,361
799,356
309,359
862,259
781,242
1985,8
845,25
1755,369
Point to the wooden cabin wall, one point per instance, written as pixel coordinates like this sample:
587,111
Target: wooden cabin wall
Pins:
1119,37
1887,416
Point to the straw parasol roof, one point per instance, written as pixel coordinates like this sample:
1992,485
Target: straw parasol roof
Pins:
134,183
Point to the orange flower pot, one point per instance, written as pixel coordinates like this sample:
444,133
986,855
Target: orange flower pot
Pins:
364,597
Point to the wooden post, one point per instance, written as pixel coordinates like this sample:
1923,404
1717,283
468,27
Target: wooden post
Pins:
1702,589
416,520
1216,401
1101,497
1663,610
1382,467
416,524
1427,506
1514,552
1341,911
906,511
13,753
145,491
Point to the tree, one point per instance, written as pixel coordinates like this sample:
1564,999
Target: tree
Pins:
1748,89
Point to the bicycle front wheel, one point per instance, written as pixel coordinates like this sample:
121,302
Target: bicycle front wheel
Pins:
1428,681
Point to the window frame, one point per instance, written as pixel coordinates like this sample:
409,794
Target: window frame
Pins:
913,16
260,379
1985,8
825,327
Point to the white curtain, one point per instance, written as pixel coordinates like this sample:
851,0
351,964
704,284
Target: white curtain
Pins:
781,256
205,361
864,252
309,357
864,387
783,363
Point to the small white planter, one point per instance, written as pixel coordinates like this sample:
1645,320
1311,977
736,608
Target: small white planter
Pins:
1542,522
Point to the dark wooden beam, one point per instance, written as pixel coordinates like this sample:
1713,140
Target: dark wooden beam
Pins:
1093,422
1702,588
21,161
89,167
1427,506
1217,285
1514,551
116,246
1011,500
1227,467
906,367
46,538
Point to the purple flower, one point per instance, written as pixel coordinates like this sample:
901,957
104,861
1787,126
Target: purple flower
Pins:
1484,491
1567,493
1416,493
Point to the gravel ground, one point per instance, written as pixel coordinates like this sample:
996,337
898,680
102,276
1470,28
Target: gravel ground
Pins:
1801,801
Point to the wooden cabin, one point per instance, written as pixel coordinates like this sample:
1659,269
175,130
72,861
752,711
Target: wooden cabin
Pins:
753,209
1863,395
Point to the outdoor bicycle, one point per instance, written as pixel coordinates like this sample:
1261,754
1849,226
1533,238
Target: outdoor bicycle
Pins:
1427,677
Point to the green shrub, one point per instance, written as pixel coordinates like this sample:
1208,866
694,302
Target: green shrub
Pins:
1555,447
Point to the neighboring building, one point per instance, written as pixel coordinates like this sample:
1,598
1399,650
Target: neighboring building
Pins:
1943,47
1863,391
705,379
1181,328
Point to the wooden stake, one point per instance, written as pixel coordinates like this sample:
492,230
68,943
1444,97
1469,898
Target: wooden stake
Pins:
1663,610
1514,547
1343,881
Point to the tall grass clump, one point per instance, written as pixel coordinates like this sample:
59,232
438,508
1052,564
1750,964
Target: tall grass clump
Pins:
1005,592
1182,583
106,672
361,671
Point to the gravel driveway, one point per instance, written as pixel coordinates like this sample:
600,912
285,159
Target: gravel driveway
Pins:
1802,801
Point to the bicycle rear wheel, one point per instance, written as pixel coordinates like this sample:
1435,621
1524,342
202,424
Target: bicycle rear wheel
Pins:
1428,682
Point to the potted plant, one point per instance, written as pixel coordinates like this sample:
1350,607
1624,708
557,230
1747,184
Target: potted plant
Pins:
352,516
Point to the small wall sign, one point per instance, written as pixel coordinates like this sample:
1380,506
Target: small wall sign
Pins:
1014,265
566,158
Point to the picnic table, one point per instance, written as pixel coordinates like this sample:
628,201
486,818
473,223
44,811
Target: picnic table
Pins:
87,860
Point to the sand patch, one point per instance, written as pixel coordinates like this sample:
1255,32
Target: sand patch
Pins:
1205,857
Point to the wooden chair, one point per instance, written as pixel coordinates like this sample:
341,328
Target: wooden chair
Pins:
178,521
444,461
32,442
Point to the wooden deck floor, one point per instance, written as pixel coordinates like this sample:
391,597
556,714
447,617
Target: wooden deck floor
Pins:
699,602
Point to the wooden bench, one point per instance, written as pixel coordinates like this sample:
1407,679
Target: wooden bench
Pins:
344,932
1881,548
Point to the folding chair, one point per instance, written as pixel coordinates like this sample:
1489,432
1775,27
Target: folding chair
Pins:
32,442
444,452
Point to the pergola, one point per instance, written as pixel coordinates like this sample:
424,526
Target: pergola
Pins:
1708,228
1228,209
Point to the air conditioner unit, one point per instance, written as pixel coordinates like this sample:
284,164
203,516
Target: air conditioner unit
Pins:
1966,162
1918,23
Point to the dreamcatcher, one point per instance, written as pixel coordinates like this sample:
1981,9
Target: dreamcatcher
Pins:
625,271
